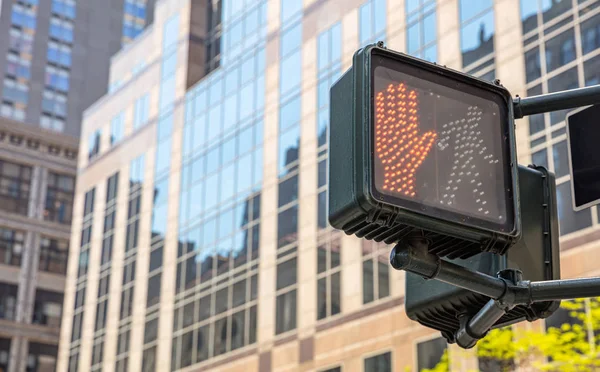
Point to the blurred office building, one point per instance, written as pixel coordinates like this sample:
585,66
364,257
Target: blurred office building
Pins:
200,238
55,63
57,56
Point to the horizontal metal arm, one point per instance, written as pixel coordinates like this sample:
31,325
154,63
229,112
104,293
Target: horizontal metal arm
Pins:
418,261
564,289
506,291
564,100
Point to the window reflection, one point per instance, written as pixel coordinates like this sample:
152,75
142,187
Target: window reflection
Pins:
566,80
591,70
569,220
287,223
477,36
379,363
289,148
532,64
372,21
429,353
540,158
560,50
529,12
422,29
561,161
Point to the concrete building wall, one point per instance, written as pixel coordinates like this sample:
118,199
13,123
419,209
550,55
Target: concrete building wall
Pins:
46,154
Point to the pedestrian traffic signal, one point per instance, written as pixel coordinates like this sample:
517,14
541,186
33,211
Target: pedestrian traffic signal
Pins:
417,146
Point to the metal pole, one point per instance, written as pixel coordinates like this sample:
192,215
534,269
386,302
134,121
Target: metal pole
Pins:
477,327
564,289
566,99
419,262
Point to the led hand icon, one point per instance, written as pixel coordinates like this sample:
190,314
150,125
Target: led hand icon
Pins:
398,143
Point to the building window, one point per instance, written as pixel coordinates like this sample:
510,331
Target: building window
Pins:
15,92
18,68
4,353
73,360
80,289
569,220
11,246
11,110
591,70
285,310
149,360
41,357
48,308
122,349
15,181
8,301
57,79
53,256
432,353
117,128
477,33
141,111
110,213
533,68
379,363
52,123
375,271
421,29
59,198
328,277
59,54
560,317
329,51
20,42
136,176
289,91
64,8
372,21
289,150
23,16
102,304
334,369
590,34
287,223
54,104
228,326
97,354
61,29
94,144
136,171
560,50
134,19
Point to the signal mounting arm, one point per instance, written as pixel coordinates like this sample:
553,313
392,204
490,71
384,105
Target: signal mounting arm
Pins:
506,291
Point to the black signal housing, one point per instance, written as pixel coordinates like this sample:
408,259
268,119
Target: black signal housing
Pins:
453,176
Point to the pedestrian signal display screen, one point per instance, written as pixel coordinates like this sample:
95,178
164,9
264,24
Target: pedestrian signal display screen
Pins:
440,147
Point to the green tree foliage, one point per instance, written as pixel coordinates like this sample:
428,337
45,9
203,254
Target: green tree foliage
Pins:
568,348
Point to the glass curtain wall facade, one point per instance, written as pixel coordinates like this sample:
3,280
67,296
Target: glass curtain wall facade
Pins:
477,28
216,284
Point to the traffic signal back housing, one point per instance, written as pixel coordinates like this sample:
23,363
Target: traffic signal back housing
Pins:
438,305
417,147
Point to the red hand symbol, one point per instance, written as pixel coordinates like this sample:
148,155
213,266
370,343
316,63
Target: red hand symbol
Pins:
398,143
